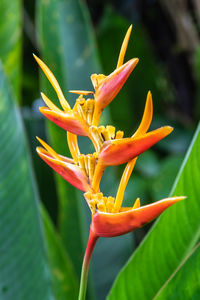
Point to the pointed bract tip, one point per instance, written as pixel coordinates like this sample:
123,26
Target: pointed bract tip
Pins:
39,139
168,129
137,203
110,85
179,198
133,61
124,47
128,33
36,58
136,58
149,94
37,149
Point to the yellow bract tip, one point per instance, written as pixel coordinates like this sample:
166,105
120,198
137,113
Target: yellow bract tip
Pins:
84,93
137,203
49,103
54,83
147,116
124,47
179,198
48,148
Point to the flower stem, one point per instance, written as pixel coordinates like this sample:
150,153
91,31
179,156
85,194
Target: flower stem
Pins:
85,267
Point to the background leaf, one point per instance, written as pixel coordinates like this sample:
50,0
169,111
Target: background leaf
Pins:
11,42
128,106
187,274
178,229
24,269
64,280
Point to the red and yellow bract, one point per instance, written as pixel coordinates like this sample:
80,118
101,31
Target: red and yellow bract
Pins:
109,218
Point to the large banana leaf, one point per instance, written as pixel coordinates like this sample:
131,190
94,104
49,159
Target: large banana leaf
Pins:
185,282
11,41
172,237
64,281
24,270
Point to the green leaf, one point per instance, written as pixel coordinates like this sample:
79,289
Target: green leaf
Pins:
148,164
108,258
169,168
65,283
172,237
197,77
11,42
185,282
24,270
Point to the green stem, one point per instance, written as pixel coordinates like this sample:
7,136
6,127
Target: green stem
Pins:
85,267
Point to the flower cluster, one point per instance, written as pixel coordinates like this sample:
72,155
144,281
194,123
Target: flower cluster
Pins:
109,218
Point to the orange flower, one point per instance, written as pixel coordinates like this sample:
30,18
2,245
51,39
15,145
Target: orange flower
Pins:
68,119
109,218
65,166
121,150
85,171
86,113
128,219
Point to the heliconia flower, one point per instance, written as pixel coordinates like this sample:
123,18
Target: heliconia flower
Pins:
122,150
65,167
128,219
109,217
107,87
68,119
86,113
119,151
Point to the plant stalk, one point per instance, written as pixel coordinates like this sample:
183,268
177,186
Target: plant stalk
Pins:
86,262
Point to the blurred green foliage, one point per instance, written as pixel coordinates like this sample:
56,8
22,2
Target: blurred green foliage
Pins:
62,34
11,42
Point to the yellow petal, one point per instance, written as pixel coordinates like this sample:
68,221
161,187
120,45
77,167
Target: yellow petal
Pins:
99,170
147,117
54,83
137,203
48,148
49,103
97,80
84,93
73,145
124,47
123,183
